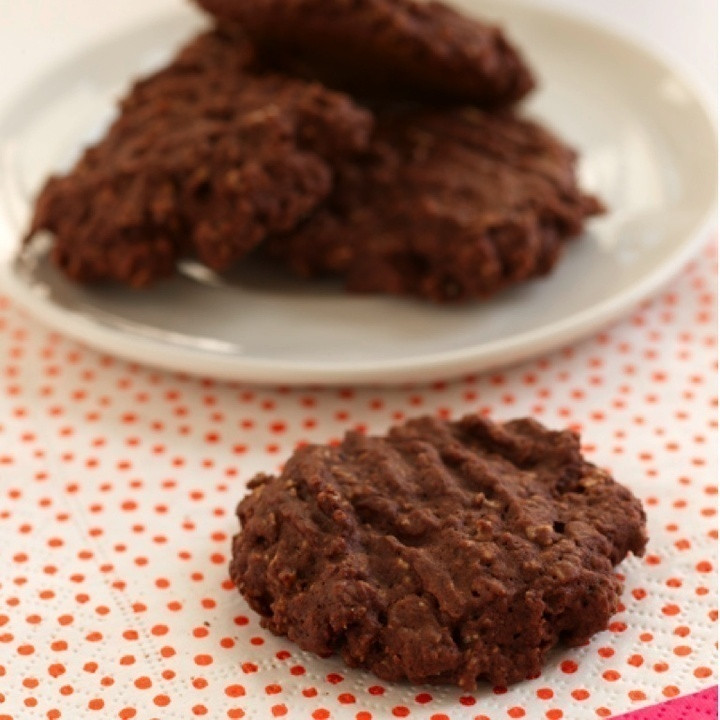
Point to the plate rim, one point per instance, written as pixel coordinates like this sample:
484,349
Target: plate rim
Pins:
474,358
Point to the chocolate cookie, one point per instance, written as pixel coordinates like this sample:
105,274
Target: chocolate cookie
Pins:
450,205
426,50
206,158
444,552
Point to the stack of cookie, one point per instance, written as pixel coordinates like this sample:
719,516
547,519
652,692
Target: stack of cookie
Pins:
370,140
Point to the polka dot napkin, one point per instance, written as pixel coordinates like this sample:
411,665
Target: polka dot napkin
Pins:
118,486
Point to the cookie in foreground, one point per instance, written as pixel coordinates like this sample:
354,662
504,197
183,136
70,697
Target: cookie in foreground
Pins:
443,552
206,157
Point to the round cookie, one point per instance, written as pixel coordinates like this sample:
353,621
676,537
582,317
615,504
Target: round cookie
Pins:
450,205
444,552
206,157
399,48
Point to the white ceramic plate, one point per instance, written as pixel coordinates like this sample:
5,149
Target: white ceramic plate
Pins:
648,148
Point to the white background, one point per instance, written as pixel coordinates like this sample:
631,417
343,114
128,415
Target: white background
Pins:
38,33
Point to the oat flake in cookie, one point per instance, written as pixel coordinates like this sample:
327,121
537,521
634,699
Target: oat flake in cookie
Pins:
400,48
206,157
444,552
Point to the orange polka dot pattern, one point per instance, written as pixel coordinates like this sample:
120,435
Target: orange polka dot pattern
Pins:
118,485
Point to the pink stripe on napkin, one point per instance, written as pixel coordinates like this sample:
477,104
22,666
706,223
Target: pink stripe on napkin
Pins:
699,706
